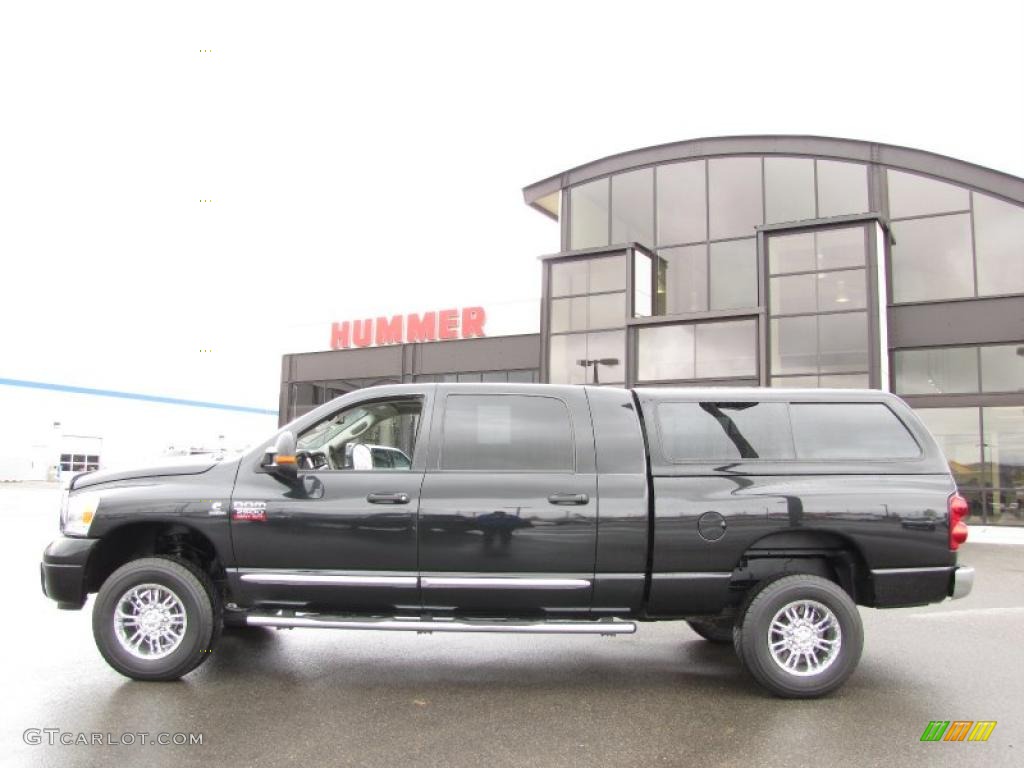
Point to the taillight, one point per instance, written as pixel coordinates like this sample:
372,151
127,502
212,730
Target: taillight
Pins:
958,510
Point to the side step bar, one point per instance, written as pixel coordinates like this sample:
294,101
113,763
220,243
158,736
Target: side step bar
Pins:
603,627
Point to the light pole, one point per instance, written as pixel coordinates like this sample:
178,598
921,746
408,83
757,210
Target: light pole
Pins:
609,361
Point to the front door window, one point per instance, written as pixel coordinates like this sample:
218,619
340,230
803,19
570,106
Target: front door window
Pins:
369,436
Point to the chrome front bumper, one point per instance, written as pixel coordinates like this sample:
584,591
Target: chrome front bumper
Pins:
963,582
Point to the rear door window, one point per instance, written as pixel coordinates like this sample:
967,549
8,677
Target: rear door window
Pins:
518,433
716,431
850,431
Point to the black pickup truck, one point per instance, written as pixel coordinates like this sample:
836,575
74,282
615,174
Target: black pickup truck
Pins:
762,517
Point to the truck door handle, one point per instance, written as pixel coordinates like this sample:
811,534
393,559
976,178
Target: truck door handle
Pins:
388,498
568,498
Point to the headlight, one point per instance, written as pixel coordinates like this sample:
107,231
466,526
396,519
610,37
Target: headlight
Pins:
77,513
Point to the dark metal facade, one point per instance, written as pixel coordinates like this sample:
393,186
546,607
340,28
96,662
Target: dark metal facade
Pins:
310,379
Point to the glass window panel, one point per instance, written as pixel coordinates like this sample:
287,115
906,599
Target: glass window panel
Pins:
726,349
831,381
724,430
936,371
564,354
607,273
999,243
682,203
791,253
796,382
869,430
588,215
789,188
844,381
957,431
665,352
568,314
515,433
471,378
1005,507
494,377
792,294
843,247
734,196
843,342
794,345
1002,368
610,345
846,289
643,284
931,258
523,377
686,279
633,207
913,195
1004,442
568,277
842,188
734,274
607,310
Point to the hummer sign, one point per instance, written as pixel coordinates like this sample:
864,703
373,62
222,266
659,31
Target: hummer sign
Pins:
440,325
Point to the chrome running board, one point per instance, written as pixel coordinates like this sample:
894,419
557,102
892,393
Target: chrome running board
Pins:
602,627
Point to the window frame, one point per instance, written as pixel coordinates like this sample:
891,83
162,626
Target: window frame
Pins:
418,440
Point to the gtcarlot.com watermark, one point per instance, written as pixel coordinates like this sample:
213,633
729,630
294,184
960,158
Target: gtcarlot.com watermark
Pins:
54,736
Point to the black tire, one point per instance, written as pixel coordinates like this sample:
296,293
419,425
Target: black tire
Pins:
718,630
751,636
200,604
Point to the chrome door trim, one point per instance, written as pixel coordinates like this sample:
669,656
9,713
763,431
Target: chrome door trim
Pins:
694,575
330,578
447,581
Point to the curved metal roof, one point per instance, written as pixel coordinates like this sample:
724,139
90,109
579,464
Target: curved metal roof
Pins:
919,161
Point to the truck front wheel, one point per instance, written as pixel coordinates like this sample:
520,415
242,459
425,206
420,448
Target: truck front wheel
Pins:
799,636
156,618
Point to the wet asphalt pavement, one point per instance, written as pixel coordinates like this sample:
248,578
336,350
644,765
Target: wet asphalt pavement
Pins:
660,697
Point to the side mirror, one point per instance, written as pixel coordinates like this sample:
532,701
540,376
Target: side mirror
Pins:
280,461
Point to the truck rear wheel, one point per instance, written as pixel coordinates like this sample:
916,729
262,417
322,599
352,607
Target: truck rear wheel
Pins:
713,630
799,636
156,618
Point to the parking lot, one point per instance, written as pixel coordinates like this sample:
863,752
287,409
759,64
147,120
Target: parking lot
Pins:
660,697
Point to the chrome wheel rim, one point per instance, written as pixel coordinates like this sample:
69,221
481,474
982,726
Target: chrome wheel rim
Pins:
150,621
804,638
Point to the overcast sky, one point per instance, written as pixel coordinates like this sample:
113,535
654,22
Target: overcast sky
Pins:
369,158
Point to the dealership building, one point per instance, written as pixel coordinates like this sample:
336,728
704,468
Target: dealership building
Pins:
775,261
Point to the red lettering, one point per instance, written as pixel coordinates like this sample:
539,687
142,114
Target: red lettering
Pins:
421,328
339,335
473,319
448,324
389,331
362,332
413,328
